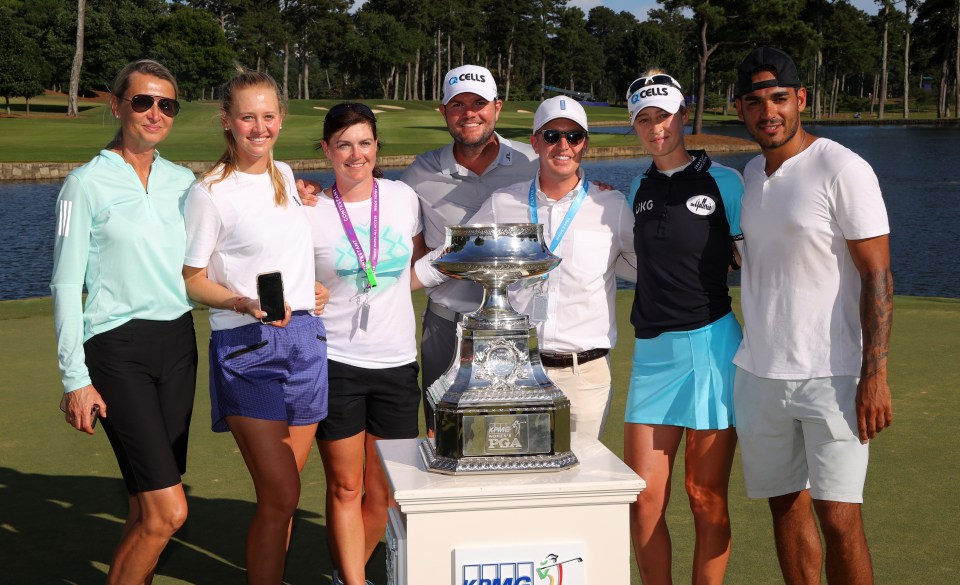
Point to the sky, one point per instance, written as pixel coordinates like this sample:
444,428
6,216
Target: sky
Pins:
640,7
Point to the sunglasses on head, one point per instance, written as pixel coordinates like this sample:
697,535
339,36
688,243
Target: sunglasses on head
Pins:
574,137
658,79
142,102
341,109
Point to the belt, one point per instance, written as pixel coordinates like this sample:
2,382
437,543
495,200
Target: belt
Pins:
443,312
565,360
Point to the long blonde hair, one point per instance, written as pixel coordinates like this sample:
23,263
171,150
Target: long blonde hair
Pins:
227,164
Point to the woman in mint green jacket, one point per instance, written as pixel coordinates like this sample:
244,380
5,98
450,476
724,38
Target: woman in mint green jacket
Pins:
128,355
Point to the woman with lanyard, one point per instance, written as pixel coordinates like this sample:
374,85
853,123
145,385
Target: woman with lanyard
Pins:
268,381
129,355
366,230
687,219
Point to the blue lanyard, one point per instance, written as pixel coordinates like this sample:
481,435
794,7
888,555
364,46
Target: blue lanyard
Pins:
567,219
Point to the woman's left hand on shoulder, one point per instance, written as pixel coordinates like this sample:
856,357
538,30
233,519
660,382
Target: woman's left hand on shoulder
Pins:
309,191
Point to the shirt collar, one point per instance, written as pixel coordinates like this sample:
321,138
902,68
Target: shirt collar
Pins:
700,163
450,166
113,156
572,193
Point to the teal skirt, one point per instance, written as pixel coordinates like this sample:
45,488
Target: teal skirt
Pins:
685,378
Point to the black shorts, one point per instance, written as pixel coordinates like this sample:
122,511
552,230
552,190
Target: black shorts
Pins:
146,372
384,402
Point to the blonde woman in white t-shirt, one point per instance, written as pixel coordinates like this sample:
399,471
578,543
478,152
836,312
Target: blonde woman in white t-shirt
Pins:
366,231
268,381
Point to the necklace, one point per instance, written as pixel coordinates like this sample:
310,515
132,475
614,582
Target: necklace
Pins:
802,142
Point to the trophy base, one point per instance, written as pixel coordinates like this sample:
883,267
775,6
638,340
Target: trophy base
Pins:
494,464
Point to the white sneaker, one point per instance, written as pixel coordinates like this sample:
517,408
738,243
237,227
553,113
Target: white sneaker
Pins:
335,579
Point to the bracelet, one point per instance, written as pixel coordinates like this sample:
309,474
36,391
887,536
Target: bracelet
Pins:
237,301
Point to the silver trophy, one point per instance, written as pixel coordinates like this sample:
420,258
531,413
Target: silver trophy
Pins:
495,409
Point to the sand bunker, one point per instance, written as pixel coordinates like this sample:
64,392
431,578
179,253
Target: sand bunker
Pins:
385,106
319,108
524,112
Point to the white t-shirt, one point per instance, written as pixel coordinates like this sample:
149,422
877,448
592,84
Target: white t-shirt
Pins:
581,291
236,231
390,337
800,288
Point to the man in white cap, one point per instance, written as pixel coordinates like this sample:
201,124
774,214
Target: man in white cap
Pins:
592,230
452,182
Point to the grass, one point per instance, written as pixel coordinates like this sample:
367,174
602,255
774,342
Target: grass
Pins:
63,502
413,128
197,133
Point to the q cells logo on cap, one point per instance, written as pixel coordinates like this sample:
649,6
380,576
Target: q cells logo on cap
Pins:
635,98
453,81
701,204
653,91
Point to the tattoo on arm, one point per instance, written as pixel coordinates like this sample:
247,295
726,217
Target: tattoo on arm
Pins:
876,318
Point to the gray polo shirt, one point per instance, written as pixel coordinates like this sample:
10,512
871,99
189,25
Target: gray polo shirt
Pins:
450,194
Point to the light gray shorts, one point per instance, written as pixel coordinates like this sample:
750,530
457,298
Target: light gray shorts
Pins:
800,434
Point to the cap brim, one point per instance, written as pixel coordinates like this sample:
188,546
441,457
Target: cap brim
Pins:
474,90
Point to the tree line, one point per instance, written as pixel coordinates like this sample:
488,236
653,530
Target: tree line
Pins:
399,49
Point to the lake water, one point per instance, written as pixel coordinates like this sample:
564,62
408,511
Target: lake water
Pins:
918,168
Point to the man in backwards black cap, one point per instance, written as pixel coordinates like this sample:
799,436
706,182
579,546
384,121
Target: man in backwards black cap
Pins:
817,294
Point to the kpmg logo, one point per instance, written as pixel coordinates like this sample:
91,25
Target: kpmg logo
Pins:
519,573
549,571
504,435
642,206
701,204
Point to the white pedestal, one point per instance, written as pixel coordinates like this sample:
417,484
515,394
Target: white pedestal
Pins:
441,517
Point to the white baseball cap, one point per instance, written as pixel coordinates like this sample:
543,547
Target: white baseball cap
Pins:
559,106
658,90
469,79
